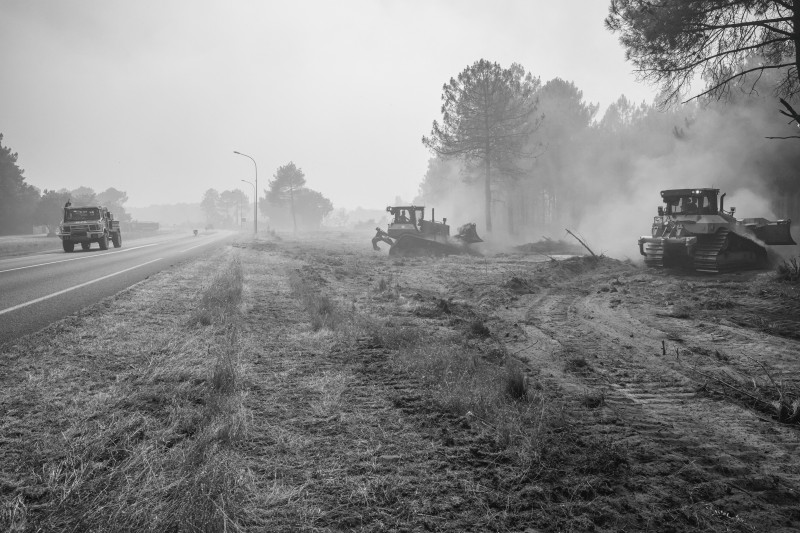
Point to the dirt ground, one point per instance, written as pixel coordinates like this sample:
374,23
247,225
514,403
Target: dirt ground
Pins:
655,394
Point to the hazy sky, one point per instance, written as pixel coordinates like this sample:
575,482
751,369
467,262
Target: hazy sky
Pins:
152,97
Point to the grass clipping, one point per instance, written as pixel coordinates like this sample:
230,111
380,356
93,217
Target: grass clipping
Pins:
155,452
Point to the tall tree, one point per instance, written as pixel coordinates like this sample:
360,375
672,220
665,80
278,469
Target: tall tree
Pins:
548,194
50,209
312,207
211,207
287,180
672,41
487,114
83,196
17,198
114,199
233,201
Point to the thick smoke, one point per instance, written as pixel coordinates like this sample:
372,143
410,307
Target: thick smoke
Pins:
604,179
718,146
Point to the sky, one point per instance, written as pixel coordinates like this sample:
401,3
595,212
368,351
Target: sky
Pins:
153,97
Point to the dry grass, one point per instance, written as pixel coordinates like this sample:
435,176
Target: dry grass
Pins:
463,382
516,383
27,244
323,312
328,388
221,297
789,270
524,422
151,450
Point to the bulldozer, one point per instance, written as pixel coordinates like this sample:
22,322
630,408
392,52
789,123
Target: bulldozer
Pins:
693,231
409,234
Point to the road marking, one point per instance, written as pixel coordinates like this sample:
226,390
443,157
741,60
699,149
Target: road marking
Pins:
59,293
79,258
193,247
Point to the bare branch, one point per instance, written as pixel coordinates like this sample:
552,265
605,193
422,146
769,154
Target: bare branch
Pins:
738,75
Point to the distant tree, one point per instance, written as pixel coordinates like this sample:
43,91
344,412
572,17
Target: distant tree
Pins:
50,208
233,203
83,196
548,193
337,218
287,180
17,198
114,200
672,41
442,176
211,207
312,207
619,115
487,115
565,114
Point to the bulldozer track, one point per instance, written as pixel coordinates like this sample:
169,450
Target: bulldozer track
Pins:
708,452
655,254
413,245
708,252
713,447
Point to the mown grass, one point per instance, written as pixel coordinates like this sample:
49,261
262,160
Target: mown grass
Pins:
220,298
155,450
27,244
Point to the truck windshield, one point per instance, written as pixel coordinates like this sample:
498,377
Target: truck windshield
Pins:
88,213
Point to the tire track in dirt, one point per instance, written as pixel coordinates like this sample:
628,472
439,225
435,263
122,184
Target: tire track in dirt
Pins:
713,451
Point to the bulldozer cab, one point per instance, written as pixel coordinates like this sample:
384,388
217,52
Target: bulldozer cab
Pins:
405,219
691,201
406,214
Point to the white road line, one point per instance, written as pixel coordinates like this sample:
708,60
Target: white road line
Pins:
78,258
193,247
59,293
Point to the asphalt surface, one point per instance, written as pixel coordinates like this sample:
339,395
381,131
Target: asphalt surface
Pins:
38,289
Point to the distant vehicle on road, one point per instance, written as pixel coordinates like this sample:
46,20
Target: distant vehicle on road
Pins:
85,225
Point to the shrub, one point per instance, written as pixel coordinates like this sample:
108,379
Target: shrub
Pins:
516,384
789,270
479,329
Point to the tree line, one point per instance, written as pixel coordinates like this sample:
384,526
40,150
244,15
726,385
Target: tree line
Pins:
23,206
287,203
225,209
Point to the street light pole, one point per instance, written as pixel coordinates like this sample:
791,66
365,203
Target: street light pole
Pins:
254,189
255,193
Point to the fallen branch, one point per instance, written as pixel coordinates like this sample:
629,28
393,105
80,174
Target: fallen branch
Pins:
548,256
583,243
736,389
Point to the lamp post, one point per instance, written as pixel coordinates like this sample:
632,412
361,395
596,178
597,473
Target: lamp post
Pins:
255,193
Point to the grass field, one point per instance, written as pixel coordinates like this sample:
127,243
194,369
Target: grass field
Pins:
312,385
25,244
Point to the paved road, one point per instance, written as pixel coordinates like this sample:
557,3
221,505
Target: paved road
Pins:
38,289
